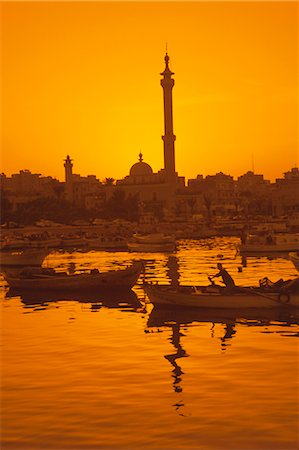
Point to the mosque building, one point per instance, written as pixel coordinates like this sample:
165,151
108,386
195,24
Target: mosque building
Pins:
160,186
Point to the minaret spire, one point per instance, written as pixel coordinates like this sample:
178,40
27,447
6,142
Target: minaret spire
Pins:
68,165
167,84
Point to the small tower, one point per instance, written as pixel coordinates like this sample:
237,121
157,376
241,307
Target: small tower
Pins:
167,84
68,165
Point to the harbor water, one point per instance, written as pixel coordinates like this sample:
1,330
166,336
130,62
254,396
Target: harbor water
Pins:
110,371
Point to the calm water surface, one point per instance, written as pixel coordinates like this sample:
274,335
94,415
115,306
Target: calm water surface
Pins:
112,372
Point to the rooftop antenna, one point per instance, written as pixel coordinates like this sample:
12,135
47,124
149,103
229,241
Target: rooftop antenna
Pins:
166,46
252,162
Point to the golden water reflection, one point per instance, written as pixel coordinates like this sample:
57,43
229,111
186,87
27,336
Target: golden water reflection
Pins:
71,378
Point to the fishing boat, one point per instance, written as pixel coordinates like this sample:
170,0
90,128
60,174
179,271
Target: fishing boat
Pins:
154,242
22,258
49,279
218,298
286,242
294,257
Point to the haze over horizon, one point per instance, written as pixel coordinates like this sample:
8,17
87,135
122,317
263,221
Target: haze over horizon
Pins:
84,79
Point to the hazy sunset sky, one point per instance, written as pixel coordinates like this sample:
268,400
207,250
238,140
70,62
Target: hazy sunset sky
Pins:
84,79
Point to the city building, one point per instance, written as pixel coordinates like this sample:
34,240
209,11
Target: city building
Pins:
25,186
85,192
285,194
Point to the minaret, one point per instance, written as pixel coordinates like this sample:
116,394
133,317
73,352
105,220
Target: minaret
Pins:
167,84
68,165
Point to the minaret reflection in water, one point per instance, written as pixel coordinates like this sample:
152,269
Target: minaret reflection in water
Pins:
176,327
173,271
180,353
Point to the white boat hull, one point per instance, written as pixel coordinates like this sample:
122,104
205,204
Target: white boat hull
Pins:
31,244
22,258
163,295
154,238
72,243
99,244
155,242
280,243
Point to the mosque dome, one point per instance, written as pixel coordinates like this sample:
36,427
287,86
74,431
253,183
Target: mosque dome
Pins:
141,168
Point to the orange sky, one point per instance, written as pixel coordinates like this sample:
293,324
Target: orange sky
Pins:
83,79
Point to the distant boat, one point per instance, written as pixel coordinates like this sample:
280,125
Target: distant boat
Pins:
199,232
73,241
209,297
49,279
155,242
30,241
285,242
108,243
294,257
21,258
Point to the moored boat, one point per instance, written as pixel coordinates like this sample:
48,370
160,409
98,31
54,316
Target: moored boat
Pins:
49,279
106,243
218,298
72,241
154,238
32,241
286,242
155,242
22,258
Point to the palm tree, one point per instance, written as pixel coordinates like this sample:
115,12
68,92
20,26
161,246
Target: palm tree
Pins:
109,181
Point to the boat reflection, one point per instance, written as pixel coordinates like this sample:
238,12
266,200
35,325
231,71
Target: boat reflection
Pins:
175,318
178,320
179,352
163,315
173,271
124,300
